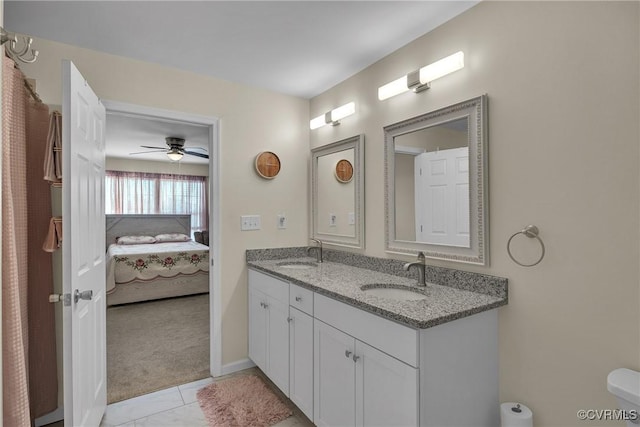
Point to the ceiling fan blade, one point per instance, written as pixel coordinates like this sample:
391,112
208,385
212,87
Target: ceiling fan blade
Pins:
204,156
197,148
148,146
144,152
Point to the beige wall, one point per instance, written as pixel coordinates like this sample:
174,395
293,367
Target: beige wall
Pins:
149,166
251,120
563,87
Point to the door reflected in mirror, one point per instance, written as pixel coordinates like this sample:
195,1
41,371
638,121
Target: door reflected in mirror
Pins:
432,184
337,195
436,184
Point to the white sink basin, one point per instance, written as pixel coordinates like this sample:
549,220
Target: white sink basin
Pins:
395,292
297,265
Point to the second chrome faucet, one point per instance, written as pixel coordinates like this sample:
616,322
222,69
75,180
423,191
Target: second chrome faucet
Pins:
421,266
317,249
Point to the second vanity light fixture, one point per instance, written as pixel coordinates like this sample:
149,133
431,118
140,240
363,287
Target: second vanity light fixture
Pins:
334,116
419,80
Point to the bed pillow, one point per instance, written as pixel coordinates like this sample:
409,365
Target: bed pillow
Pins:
172,237
135,240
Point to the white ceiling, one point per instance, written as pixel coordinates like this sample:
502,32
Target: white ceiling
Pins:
300,48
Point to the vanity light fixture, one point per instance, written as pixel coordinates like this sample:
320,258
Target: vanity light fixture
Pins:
174,154
334,116
419,80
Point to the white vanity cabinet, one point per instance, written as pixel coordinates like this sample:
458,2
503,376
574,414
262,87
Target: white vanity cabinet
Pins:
269,327
355,383
343,366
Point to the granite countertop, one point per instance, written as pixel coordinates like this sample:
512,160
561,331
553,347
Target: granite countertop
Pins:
342,282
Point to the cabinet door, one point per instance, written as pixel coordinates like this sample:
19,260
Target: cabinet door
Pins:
257,327
278,344
333,376
301,361
386,389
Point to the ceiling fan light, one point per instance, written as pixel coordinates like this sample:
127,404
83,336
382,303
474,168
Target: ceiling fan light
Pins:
174,155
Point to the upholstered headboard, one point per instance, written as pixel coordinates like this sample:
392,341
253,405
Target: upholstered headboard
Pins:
146,225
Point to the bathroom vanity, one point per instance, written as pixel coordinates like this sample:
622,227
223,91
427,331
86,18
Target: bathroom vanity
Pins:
352,344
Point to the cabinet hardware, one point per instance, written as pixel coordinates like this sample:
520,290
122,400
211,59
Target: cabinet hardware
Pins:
355,358
298,299
289,319
348,353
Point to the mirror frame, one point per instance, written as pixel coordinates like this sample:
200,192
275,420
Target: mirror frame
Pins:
475,110
357,144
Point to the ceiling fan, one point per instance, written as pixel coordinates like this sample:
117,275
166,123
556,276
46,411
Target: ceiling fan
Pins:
176,149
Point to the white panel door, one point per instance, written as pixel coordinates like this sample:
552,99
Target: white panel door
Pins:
278,344
333,376
442,197
301,361
386,389
84,321
257,327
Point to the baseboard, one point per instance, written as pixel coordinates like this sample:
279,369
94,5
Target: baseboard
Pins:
236,366
51,417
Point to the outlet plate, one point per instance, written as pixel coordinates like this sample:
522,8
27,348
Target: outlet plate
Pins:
282,221
249,222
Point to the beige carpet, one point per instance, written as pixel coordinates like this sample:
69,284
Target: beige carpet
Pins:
244,400
156,345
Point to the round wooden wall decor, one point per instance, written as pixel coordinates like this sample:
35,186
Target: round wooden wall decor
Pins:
267,164
344,171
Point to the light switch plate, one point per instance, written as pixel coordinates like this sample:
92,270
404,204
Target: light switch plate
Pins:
282,221
249,222
333,220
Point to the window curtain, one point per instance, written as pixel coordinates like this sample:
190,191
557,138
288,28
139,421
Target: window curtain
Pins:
152,193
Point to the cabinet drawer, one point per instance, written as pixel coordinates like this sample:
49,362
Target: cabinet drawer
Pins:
392,338
301,298
269,285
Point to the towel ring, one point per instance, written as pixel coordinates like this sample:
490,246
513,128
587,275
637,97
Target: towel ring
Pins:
530,231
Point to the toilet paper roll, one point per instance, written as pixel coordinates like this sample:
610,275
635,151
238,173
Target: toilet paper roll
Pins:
510,417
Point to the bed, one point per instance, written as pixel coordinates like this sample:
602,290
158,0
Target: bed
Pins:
147,271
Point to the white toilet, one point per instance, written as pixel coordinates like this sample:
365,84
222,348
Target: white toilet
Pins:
625,385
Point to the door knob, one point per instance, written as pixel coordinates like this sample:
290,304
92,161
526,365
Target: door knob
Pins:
86,295
65,298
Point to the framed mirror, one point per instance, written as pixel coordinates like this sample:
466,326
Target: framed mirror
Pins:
436,184
337,192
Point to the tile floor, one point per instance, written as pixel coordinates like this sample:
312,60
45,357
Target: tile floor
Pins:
178,407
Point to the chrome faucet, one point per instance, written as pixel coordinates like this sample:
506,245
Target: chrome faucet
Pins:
421,266
317,249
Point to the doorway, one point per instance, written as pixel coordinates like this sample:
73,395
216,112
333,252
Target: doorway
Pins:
117,109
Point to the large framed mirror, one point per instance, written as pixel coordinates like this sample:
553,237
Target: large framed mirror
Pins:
337,192
436,184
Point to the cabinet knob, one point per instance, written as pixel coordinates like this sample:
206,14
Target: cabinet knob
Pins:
266,305
355,358
289,319
348,353
298,299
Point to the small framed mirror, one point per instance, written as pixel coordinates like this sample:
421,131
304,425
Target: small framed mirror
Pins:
436,184
337,192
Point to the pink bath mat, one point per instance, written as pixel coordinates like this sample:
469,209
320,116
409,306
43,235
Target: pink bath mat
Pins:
244,400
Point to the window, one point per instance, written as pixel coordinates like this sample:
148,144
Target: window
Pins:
152,193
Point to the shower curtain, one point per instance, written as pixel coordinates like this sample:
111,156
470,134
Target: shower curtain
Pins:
27,320
15,342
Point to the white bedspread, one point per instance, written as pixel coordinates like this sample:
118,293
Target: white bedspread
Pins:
126,263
